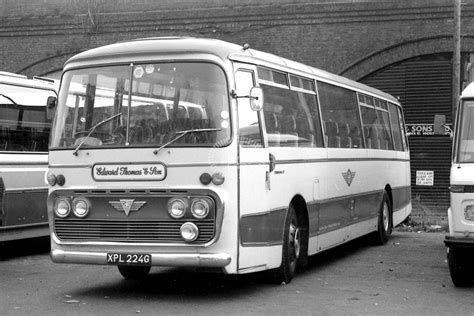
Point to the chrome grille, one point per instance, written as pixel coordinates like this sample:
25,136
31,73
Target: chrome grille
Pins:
129,231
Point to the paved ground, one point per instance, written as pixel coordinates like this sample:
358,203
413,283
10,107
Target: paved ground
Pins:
408,276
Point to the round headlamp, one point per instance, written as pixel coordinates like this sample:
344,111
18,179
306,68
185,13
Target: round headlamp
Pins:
177,208
200,208
80,207
62,207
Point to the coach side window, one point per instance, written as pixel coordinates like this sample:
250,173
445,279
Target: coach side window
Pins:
383,120
289,114
369,121
23,124
398,136
340,115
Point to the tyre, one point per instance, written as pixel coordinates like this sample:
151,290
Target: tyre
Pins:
291,249
384,224
460,267
134,273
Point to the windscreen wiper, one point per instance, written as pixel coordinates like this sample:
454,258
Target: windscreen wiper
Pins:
184,133
92,130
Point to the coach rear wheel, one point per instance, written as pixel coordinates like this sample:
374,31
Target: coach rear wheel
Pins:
133,273
384,225
292,243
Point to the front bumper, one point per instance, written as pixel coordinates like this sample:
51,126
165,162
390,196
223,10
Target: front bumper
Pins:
459,242
203,260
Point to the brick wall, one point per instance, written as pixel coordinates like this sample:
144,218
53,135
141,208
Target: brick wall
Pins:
339,36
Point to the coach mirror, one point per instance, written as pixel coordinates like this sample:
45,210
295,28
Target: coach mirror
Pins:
50,107
256,99
438,124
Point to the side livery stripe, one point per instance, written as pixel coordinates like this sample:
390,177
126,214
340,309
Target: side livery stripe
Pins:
264,229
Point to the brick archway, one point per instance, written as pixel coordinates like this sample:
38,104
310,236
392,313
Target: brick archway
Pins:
46,65
402,51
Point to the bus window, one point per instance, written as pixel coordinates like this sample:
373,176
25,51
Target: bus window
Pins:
288,118
340,115
466,134
249,127
383,125
193,94
23,125
396,127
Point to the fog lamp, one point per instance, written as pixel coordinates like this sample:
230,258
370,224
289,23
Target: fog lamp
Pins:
51,178
177,208
200,208
189,232
469,213
62,207
80,207
218,178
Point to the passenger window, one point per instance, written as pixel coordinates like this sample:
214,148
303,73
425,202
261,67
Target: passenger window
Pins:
340,115
397,132
291,118
383,125
23,124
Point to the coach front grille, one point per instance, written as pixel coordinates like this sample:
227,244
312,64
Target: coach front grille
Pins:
162,231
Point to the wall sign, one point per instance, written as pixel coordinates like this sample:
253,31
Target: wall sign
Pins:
424,129
425,177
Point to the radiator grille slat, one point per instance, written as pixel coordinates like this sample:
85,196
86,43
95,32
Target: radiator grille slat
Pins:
129,231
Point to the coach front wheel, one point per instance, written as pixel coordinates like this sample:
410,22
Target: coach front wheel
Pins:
134,273
291,249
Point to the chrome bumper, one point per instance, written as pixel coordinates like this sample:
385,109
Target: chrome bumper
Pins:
207,260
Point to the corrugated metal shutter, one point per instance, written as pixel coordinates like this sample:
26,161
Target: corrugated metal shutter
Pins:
424,88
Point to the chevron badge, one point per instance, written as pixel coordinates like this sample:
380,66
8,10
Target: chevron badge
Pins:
127,205
348,176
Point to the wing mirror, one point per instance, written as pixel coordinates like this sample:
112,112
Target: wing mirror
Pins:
440,127
256,99
255,96
50,107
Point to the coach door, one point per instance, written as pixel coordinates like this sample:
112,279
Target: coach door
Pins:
254,172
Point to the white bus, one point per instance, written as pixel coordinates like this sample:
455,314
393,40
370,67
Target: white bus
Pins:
24,137
287,161
460,240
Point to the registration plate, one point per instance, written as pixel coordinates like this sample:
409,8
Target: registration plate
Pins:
129,259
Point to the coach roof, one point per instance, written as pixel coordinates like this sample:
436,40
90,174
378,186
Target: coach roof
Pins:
132,50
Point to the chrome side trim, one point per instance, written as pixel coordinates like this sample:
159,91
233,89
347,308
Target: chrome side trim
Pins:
206,260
